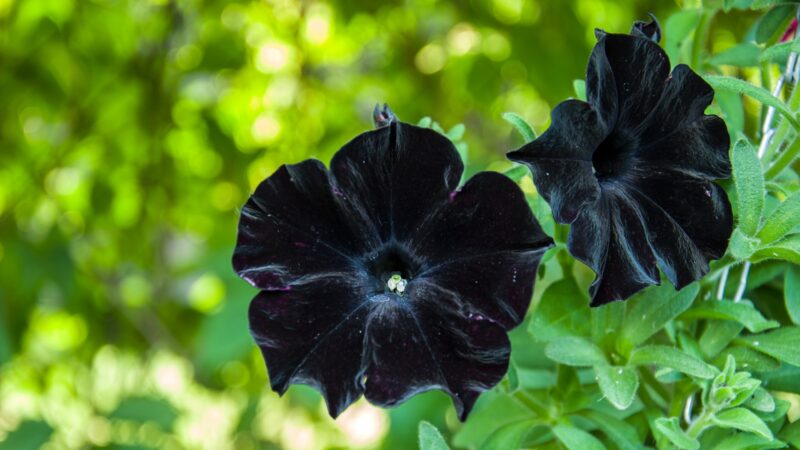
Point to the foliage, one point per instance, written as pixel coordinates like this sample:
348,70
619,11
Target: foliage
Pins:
133,130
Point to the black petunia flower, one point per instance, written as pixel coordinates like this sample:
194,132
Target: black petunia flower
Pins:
381,277
631,169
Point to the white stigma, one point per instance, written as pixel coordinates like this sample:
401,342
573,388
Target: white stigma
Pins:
396,283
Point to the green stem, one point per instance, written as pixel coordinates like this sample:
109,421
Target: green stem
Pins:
699,425
700,38
782,132
784,160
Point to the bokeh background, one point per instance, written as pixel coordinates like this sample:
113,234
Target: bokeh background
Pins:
132,131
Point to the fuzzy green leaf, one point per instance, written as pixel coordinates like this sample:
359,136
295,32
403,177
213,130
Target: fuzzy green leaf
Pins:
618,384
749,182
508,436
671,429
741,55
783,344
430,438
791,293
521,125
724,83
665,356
618,431
742,419
785,218
575,351
649,310
579,86
742,312
562,311
574,438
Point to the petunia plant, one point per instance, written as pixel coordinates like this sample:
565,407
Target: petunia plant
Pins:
630,281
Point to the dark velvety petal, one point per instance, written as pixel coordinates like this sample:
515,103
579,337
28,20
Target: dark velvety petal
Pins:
677,133
649,30
393,177
561,159
489,215
313,334
698,206
427,341
497,286
293,228
628,264
679,258
625,78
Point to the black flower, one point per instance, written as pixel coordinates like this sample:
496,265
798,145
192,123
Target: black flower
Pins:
381,277
631,169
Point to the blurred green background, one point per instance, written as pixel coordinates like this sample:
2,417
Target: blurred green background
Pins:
132,131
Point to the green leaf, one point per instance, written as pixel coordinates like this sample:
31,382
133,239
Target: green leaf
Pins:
562,311
717,335
778,53
484,420
742,419
742,246
783,344
576,439
29,435
574,351
508,436
761,401
671,429
521,125
649,310
580,89
730,84
743,312
662,355
771,22
730,103
425,122
786,378
618,384
791,293
741,55
677,29
430,438
749,182
785,218
618,431
747,441
749,359
457,132
516,173
787,249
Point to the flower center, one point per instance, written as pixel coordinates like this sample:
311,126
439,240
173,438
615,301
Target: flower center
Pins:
612,157
392,268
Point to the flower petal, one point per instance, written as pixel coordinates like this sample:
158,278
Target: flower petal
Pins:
700,207
678,134
293,227
394,176
561,159
313,334
488,215
625,77
627,264
428,342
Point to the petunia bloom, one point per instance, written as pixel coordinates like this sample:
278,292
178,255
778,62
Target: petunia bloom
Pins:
632,168
381,276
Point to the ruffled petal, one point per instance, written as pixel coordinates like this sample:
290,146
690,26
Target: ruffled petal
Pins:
488,215
395,176
700,207
293,227
678,134
313,334
429,342
627,264
625,77
561,159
